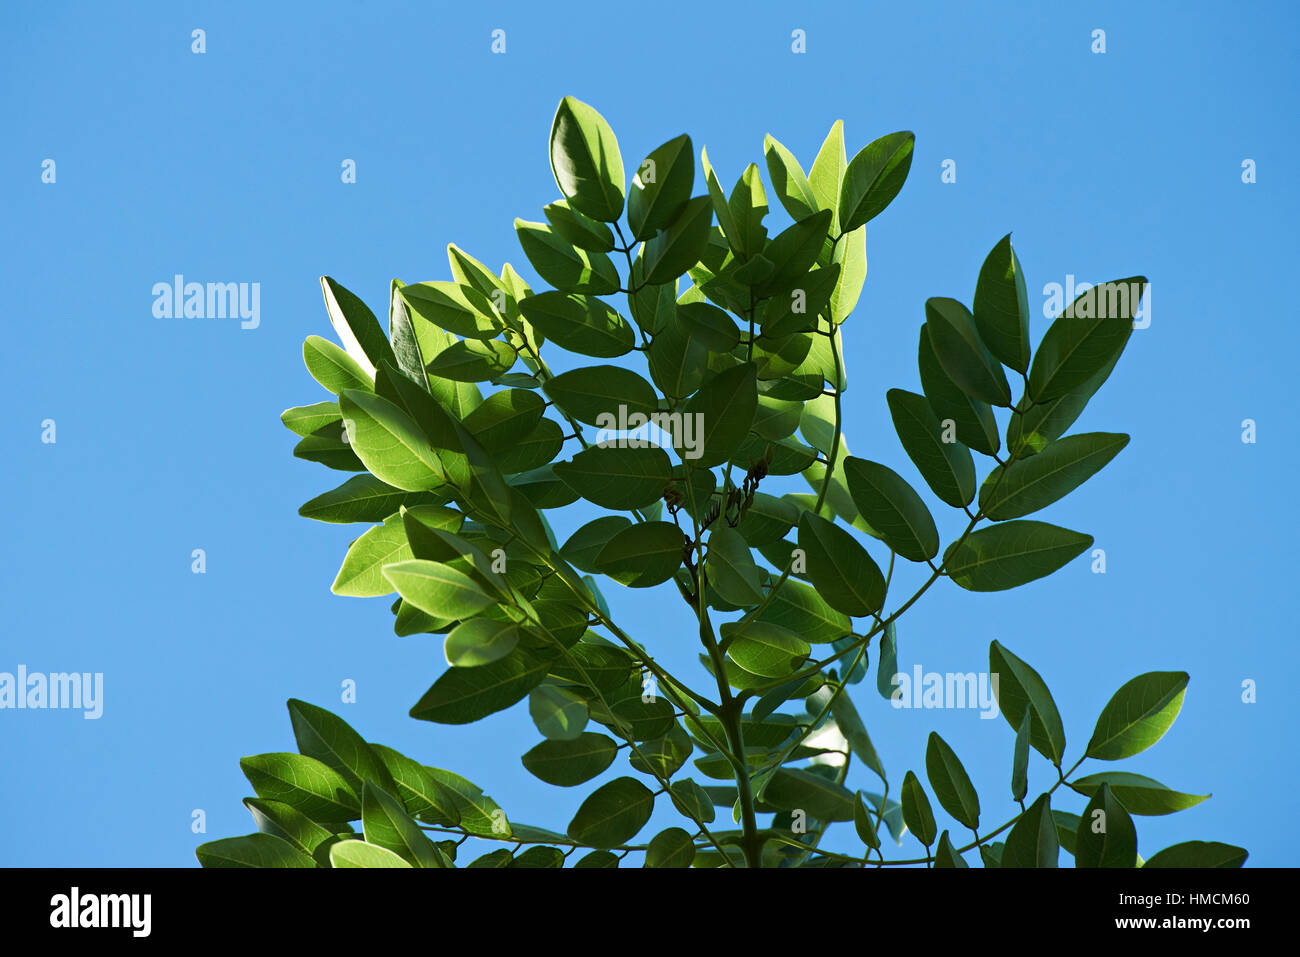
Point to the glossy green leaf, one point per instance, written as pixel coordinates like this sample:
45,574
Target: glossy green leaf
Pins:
1019,687
582,231
661,187
617,477
559,715
504,418
892,508
724,407
916,810
581,324
1199,854
1105,836
304,783
764,649
1033,842
1025,486
586,161
801,610
388,825
331,740
643,554
952,786
473,361
421,794
1012,553
592,393
362,573
477,813
792,789
289,824
438,589
945,855
964,357
480,641
363,854
356,326
464,695
973,420
1034,425
1138,715
887,667
674,250
252,850
305,419
362,498
731,570
792,187
612,814
826,175
1140,795
692,800
840,568
1002,307
1020,758
863,823
1085,338
947,467
455,307
673,847
793,252
333,368
565,266
873,178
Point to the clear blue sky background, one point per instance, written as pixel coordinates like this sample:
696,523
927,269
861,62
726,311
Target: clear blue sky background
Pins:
226,167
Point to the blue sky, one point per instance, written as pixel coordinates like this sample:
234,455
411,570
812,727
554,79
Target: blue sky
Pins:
225,167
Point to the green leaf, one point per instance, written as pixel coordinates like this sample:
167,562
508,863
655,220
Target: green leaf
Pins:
390,443
664,755
945,855
643,554
305,419
331,740
612,814
850,254
661,187
873,179
356,326
303,783
464,695
438,589
792,789
580,230
673,847
473,361
887,667
725,407
362,498
863,824
795,310
764,649
1019,687
581,324
951,784
1141,795
1138,715
826,177
280,820
840,568
540,857
480,641
748,207
534,450
801,610
333,368
892,508
1034,425
676,249
617,477
916,810
361,575
598,859
422,795
731,570
493,859
584,545
477,813
1033,842
557,714
1085,338
1025,486
692,800
563,265
855,732
793,252
788,179
592,393
387,825
586,161
964,358
1011,554
975,426
1020,758
947,467
1199,854
252,850
1002,307
458,308
363,854
1105,836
